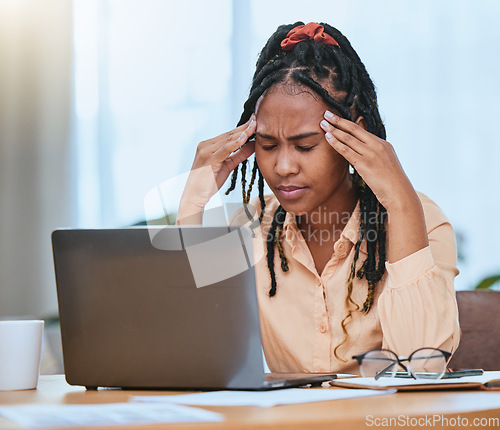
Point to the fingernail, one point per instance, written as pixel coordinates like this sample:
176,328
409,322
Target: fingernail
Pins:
329,114
329,136
324,123
253,117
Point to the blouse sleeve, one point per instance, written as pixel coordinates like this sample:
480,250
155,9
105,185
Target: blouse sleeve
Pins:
418,306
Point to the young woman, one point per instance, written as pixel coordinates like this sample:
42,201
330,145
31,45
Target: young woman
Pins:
355,258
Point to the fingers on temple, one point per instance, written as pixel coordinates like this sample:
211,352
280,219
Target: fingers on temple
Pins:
232,141
236,132
242,154
347,126
346,151
347,139
336,135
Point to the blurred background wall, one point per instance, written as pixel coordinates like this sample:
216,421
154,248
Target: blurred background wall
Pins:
36,169
102,100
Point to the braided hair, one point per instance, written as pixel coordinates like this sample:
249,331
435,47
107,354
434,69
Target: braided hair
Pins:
320,67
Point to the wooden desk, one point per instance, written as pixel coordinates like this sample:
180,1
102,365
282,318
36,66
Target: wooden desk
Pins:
342,414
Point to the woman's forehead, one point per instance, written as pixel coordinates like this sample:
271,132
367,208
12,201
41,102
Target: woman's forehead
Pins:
286,115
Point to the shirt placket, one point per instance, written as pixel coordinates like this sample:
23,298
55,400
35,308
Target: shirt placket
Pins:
322,333
322,323
321,330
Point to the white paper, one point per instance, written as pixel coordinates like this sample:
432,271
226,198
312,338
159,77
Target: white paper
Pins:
390,382
259,398
35,416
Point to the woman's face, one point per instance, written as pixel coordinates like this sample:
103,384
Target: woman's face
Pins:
303,171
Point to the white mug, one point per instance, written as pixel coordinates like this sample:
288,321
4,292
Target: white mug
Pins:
20,349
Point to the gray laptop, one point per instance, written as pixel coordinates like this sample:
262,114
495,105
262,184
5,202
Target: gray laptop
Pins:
162,308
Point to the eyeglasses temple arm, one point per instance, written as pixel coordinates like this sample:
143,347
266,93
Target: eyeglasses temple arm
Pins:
382,372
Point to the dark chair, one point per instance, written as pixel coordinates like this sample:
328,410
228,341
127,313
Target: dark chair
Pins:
479,316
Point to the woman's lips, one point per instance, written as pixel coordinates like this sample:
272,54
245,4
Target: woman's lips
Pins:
291,192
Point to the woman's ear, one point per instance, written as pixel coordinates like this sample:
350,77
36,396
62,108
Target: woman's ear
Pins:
362,122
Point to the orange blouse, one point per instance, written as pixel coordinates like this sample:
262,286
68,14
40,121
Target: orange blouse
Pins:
414,304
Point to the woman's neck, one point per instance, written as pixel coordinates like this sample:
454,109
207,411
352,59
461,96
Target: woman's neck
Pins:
327,221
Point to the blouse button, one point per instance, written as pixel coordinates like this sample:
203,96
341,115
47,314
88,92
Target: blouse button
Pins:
322,328
340,249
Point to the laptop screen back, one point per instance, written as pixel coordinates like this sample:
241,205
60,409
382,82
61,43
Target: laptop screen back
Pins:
164,308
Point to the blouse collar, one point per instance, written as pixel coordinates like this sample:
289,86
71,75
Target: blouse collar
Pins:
348,237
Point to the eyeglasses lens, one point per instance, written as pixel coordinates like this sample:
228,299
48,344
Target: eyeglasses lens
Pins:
428,363
379,363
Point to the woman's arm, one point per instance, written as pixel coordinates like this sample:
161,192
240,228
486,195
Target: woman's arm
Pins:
377,163
417,308
214,160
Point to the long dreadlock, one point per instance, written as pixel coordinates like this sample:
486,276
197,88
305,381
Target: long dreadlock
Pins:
321,67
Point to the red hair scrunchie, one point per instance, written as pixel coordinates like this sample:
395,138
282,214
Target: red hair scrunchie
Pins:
310,31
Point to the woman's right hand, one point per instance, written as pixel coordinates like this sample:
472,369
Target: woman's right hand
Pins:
215,159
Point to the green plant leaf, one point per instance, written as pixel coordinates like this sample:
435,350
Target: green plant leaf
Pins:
487,282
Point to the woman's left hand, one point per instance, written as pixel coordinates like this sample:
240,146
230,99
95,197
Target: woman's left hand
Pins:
373,158
376,162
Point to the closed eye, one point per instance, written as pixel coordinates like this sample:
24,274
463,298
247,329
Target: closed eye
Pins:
305,148
268,147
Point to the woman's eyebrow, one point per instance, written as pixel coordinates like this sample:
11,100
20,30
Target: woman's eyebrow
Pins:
295,137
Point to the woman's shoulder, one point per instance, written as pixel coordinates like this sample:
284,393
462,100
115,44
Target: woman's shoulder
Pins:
434,215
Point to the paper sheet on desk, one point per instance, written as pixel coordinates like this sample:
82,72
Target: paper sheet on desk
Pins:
104,414
258,398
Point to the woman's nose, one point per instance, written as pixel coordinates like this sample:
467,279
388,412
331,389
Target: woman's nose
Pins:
286,163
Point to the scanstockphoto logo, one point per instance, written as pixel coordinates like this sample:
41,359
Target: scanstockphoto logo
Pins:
215,254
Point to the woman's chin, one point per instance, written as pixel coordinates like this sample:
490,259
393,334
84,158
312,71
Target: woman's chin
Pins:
294,208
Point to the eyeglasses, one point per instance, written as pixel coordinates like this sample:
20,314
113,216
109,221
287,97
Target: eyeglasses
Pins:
424,363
